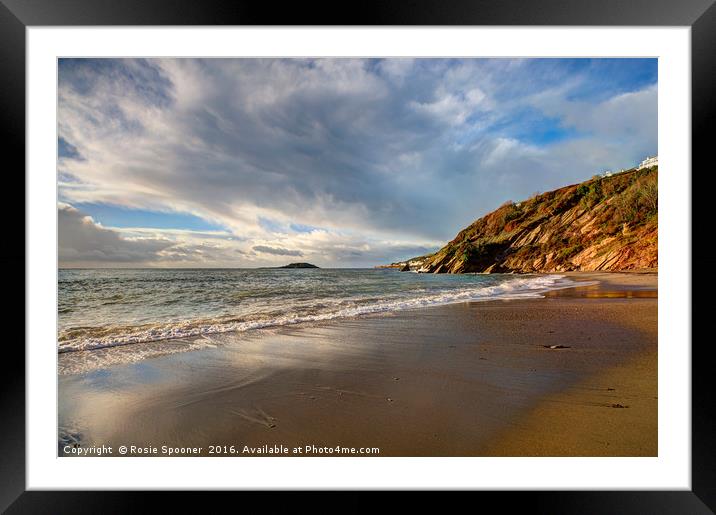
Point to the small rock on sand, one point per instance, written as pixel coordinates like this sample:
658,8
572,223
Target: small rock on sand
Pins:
556,346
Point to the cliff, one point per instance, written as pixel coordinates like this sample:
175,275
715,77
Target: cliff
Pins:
606,223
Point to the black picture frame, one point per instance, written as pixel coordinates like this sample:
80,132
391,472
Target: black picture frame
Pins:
17,15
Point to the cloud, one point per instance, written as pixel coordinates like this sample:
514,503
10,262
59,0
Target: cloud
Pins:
66,150
85,243
453,109
373,154
82,240
277,251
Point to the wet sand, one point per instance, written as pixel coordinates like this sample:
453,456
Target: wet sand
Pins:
471,379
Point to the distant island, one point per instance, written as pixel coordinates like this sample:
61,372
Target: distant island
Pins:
608,223
297,265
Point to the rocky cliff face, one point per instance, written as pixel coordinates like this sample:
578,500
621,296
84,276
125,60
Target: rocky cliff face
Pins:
606,223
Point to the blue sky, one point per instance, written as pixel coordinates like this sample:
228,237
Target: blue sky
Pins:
341,162
122,217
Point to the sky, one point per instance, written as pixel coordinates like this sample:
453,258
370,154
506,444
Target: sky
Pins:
336,162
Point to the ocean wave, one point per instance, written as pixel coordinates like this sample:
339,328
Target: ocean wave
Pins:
89,338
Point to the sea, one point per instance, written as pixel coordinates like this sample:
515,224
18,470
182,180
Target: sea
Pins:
105,308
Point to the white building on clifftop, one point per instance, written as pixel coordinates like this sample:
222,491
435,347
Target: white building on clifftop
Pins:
648,162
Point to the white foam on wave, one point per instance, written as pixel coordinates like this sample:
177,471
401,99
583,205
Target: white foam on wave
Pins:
517,288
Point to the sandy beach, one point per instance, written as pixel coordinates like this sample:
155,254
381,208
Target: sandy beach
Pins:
571,374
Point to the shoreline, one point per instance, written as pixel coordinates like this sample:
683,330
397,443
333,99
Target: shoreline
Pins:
164,338
191,329
468,379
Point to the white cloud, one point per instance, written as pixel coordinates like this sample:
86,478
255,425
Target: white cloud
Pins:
82,240
453,108
276,251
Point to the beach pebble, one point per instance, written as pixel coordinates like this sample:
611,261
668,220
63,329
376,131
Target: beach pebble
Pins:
396,379
556,346
618,406
389,399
